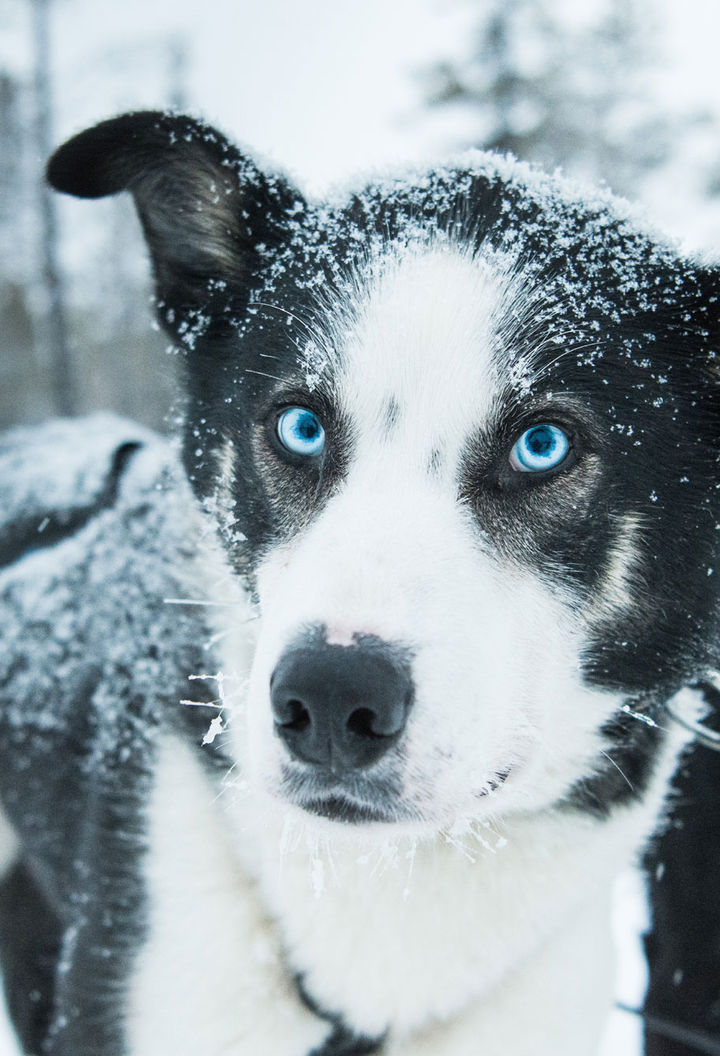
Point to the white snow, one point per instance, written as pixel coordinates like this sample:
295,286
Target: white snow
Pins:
8,1040
624,1033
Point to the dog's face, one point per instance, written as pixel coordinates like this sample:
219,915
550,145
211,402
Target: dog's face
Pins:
461,439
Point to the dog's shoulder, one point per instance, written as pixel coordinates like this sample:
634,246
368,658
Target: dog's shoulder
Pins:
98,533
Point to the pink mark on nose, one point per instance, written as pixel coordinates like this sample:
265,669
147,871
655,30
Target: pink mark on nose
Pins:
337,635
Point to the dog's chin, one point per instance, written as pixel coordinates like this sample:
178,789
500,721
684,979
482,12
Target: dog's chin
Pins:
374,807
358,802
346,811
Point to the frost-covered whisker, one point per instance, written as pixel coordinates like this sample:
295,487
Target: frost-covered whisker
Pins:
212,604
233,790
641,717
216,727
327,848
207,677
221,635
234,781
490,826
387,857
288,836
454,836
410,858
232,699
296,833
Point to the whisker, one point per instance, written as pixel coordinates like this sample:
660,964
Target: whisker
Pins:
456,841
195,601
225,783
309,330
619,770
211,604
233,789
262,374
569,351
220,635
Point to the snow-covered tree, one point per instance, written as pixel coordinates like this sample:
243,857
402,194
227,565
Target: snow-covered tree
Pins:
563,84
74,297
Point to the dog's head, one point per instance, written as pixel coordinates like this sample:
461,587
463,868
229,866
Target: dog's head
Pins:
461,433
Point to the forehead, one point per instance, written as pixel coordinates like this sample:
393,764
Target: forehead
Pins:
448,301
420,351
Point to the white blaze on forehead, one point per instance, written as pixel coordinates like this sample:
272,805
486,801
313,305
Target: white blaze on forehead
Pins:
422,343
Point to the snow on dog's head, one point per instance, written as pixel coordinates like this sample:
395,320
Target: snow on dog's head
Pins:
460,431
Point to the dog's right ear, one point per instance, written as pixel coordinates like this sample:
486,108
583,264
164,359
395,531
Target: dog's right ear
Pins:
205,208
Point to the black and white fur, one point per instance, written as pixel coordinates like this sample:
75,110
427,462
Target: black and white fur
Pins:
222,895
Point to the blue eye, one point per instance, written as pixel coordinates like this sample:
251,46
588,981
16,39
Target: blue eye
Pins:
539,448
300,431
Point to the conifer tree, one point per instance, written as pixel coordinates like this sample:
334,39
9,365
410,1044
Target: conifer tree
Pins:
563,85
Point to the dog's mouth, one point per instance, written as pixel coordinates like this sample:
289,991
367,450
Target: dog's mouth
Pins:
342,809
352,801
360,801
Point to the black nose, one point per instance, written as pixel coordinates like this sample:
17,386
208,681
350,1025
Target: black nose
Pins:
340,708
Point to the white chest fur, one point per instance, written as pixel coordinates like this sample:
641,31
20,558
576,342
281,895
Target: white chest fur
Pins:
483,943
210,979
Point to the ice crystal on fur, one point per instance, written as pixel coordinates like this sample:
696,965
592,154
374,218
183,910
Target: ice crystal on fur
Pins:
216,727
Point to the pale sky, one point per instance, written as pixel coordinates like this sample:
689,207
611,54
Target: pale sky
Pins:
324,88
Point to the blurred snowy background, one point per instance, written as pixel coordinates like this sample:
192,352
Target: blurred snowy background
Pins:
624,91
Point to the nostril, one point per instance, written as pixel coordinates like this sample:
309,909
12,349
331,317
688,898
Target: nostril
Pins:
340,708
295,716
362,721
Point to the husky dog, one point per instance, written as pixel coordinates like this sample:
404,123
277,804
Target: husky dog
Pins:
330,737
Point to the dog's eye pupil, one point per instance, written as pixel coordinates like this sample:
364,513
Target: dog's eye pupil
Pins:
540,447
300,431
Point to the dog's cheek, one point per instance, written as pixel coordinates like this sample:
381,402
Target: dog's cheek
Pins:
468,712
519,706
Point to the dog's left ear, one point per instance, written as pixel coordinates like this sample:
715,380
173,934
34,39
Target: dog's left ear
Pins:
205,208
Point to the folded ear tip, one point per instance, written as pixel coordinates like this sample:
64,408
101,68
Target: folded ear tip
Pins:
92,164
203,205
69,171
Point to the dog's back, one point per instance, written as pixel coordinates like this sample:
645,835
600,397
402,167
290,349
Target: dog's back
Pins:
93,539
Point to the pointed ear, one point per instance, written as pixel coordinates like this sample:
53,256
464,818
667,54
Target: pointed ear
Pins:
204,207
